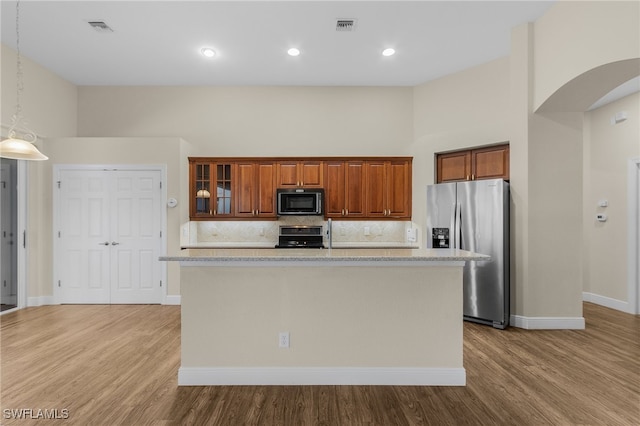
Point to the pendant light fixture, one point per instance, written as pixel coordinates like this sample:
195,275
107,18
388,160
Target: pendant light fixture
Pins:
19,144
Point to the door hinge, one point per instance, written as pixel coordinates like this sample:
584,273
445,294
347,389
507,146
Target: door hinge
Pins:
160,184
59,234
160,234
59,183
160,283
59,285
24,239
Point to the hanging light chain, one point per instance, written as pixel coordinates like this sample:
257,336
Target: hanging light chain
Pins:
19,77
17,123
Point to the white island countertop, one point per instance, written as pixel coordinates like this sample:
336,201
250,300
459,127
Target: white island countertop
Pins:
323,256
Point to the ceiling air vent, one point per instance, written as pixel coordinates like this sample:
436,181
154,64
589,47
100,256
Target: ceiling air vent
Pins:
345,24
100,26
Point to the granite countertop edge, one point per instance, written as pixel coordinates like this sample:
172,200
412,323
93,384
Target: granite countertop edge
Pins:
325,255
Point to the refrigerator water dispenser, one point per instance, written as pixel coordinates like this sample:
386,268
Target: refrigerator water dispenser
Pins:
440,238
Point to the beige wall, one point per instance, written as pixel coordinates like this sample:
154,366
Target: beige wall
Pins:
49,103
111,151
608,147
574,37
458,111
49,108
256,121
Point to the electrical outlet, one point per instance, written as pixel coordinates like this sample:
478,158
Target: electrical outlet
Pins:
283,339
367,231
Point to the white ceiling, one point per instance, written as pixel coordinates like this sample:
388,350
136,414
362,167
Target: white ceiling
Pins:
158,42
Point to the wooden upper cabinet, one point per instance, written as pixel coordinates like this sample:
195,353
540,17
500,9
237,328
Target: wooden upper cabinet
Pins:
255,189
299,174
399,189
344,189
211,189
245,188
388,189
490,162
454,166
376,178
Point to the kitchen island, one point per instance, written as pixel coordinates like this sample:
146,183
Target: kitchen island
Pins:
322,316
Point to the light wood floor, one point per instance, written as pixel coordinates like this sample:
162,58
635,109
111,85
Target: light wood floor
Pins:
117,365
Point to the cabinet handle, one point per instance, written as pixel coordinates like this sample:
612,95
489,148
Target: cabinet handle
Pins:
473,177
467,177
106,243
347,212
113,243
342,213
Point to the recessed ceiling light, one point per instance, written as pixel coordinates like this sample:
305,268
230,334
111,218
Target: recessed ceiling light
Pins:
388,52
293,51
208,52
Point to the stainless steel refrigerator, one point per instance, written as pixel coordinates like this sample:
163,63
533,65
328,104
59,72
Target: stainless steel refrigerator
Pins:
474,216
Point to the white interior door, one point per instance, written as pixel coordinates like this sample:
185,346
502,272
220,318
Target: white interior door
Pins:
109,236
84,244
135,231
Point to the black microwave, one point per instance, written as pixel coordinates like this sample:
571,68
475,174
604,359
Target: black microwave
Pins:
301,202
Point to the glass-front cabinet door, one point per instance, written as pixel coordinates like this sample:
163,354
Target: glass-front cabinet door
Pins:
202,190
211,190
223,190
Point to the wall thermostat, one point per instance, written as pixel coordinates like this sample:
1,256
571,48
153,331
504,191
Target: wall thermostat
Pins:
600,217
172,202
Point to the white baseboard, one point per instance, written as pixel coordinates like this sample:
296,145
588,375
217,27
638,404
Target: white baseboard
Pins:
547,323
49,300
274,376
607,302
172,299
40,301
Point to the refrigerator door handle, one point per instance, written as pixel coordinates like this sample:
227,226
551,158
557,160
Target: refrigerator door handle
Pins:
457,230
452,242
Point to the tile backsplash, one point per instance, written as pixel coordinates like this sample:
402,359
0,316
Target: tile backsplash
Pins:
246,233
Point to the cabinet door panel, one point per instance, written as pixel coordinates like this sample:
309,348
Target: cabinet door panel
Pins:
375,189
454,167
354,189
288,175
223,186
266,202
399,189
334,193
245,189
311,174
491,163
201,190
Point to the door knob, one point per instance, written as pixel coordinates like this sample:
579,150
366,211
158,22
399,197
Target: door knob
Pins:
113,243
